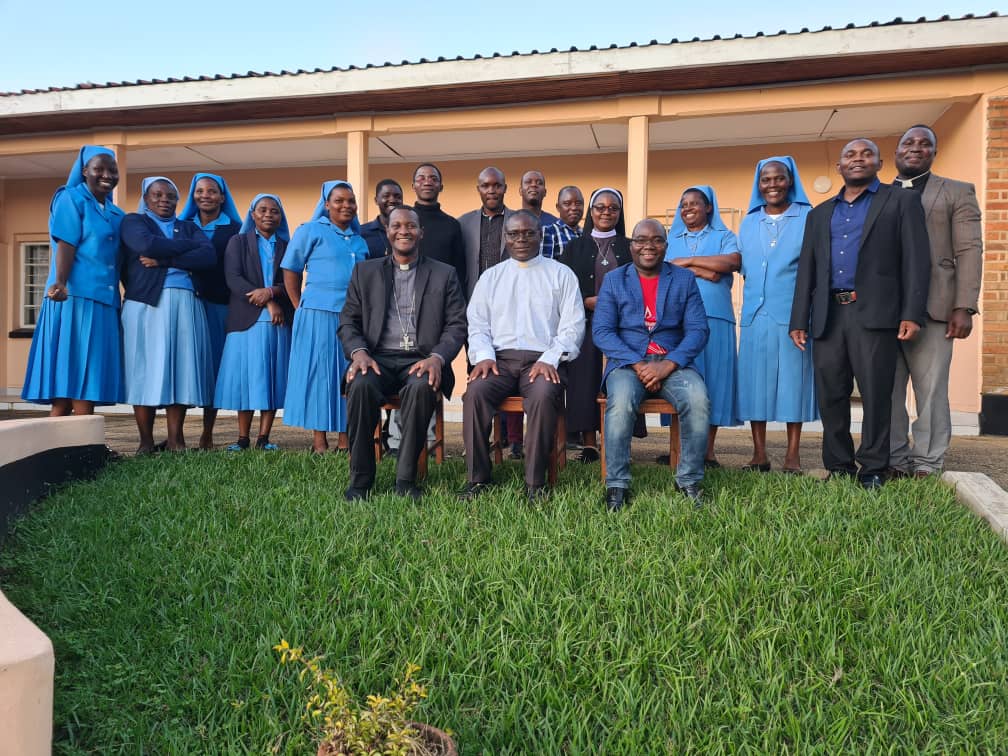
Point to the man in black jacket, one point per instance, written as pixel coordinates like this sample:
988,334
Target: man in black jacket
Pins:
442,235
402,325
862,287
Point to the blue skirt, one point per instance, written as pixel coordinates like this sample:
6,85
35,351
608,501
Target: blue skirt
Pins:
776,382
718,365
317,366
216,318
253,371
167,351
76,353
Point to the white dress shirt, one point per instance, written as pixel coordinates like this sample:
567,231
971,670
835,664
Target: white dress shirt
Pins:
534,306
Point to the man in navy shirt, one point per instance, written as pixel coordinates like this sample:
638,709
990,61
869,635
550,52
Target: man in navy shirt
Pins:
861,289
387,196
533,192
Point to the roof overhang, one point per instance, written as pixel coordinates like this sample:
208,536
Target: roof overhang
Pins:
536,77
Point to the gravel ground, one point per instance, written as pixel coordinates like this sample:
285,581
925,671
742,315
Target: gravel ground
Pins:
986,454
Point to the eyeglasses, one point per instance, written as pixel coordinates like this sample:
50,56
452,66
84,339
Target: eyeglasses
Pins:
521,234
648,241
611,209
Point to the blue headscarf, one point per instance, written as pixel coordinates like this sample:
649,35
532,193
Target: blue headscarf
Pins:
714,220
191,212
76,176
166,224
282,231
795,194
320,209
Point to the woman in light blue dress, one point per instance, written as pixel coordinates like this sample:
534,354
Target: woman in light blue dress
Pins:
166,343
326,248
700,242
212,209
75,360
776,382
253,371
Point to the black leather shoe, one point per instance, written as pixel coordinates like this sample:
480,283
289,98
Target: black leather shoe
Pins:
762,467
355,494
517,451
408,489
871,482
894,473
840,475
616,498
473,490
588,455
662,459
536,494
693,493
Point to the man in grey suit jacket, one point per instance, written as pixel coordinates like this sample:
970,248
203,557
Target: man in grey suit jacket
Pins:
483,228
953,223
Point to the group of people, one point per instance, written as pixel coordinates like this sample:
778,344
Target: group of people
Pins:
227,312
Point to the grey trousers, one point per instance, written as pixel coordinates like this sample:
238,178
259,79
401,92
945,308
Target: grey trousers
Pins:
925,361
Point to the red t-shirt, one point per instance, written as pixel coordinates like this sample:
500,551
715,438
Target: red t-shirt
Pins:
650,288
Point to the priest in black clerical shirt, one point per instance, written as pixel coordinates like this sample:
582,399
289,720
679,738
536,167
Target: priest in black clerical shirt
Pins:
402,325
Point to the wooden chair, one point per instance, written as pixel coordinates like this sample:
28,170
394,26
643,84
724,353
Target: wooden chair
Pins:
392,403
558,454
647,407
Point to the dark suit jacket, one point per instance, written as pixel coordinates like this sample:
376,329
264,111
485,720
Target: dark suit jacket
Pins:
892,271
188,249
212,283
470,224
441,319
243,271
953,224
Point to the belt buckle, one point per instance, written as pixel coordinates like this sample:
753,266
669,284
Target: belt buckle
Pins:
845,297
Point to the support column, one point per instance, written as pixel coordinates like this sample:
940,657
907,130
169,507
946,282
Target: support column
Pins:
357,172
120,196
638,141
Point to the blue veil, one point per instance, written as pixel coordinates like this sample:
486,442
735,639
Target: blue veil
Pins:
795,194
715,222
282,231
190,211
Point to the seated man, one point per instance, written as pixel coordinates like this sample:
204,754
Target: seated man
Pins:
525,320
650,323
402,324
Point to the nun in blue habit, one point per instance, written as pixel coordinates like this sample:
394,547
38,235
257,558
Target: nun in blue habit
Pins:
327,248
75,361
211,207
776,381
253,371
165,338
700,242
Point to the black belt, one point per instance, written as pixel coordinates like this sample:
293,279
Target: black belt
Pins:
844,296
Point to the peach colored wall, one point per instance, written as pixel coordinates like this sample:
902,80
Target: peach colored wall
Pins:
728,169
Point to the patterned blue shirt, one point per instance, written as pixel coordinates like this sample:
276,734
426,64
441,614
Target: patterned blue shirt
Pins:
846,229
555,238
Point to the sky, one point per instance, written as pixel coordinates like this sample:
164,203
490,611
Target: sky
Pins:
68,42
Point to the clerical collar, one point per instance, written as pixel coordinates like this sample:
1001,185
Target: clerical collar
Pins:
528,263
404,266
909,183
603,234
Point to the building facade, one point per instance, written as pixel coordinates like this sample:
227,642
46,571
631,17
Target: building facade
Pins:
649,119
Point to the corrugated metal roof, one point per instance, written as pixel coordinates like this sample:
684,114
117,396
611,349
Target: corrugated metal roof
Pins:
898,21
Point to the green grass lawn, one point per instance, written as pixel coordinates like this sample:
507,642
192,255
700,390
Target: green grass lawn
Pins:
789,615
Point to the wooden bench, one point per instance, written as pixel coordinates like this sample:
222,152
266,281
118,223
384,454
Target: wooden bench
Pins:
647,407
558,454
393,403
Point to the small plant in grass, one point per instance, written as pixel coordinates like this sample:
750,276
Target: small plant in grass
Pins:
383,726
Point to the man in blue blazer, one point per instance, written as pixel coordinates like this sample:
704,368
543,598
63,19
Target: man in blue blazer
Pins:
650,323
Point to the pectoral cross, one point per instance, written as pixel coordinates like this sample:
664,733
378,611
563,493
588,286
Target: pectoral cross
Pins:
406,343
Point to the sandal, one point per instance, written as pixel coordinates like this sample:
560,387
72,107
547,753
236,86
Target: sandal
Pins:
762,467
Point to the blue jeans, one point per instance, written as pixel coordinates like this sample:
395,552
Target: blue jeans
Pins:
685,390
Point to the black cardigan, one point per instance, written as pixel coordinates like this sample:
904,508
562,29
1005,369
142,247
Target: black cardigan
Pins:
188,249
212,283
580,253
243,271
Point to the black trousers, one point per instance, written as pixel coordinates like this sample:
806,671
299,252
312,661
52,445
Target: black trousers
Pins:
543,405
365,394
848,351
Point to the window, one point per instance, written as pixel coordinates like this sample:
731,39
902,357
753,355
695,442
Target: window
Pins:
35,271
